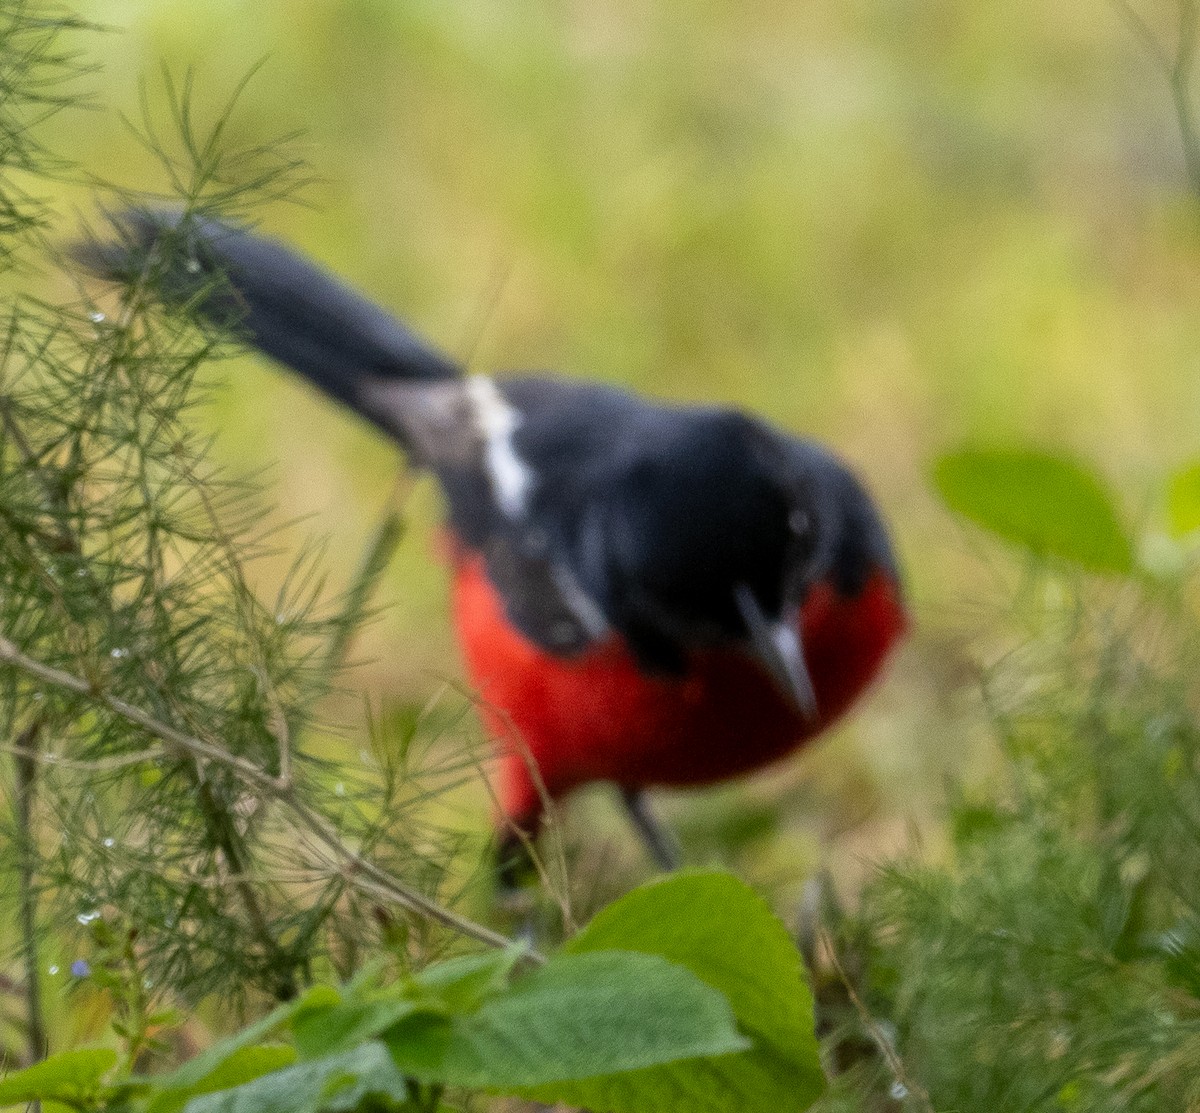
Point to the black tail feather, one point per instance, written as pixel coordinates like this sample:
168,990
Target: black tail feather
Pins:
284,305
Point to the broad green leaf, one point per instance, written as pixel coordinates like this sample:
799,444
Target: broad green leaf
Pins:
1183,500
458,985
192,1078
461,984
723,932
727,935
242,1065
334,1083
751,1082
71,1077
577,1017
1050,504
320,1032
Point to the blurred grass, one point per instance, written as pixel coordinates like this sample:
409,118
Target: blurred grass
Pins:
891,224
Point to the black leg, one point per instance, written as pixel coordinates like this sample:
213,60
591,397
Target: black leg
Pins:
515,870
516,878
657,839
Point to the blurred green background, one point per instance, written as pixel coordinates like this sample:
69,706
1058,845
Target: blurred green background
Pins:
895,225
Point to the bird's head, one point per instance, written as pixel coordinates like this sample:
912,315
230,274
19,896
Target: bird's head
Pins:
827,532
719,528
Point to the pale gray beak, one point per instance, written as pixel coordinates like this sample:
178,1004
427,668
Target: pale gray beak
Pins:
777,645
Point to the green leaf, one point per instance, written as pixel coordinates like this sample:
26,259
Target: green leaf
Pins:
1051,505
196,1075
320,1032
579,1016
72,1077
334,1083
458,985
1183,500
723,932
462,984
244,1065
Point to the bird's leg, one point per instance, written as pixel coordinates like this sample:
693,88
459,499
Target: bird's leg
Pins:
516,876
656,837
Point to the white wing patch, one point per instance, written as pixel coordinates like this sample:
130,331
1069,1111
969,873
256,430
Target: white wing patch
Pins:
496,420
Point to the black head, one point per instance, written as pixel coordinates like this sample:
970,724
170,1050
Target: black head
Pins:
841,537
701,509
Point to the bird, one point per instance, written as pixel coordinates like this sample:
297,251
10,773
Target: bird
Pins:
644,593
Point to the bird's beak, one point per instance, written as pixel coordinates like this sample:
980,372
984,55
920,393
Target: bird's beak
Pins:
778,646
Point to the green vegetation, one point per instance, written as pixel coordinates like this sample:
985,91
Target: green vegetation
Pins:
631,1017
166,804
903,226
1052,962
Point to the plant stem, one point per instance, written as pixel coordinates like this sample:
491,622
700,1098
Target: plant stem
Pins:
1177,68
1181,80
886,1047
221,829
27,775
375,559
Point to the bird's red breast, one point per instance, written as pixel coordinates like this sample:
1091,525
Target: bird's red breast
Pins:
601,716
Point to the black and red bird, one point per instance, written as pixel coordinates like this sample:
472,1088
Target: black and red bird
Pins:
644,594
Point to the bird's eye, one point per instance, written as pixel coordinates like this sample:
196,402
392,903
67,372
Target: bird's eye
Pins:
799,550
799,522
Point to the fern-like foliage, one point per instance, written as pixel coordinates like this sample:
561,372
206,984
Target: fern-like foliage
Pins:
1052,963
155,710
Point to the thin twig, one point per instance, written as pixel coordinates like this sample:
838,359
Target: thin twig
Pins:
1178,70
551,830
359,871
387,535
1181,81
486,309
1143,31
100,765
27,777
886,1048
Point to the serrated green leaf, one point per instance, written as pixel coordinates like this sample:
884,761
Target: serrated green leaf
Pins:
243,1065
577,1017
726,934
320,1032
1049,504
751,1082
1183,500
462,984
333,1084
181,1084
71,1077
458,985
723,932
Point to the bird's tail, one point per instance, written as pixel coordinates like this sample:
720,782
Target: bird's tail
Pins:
284,305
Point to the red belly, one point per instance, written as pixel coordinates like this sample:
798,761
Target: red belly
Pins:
598,717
